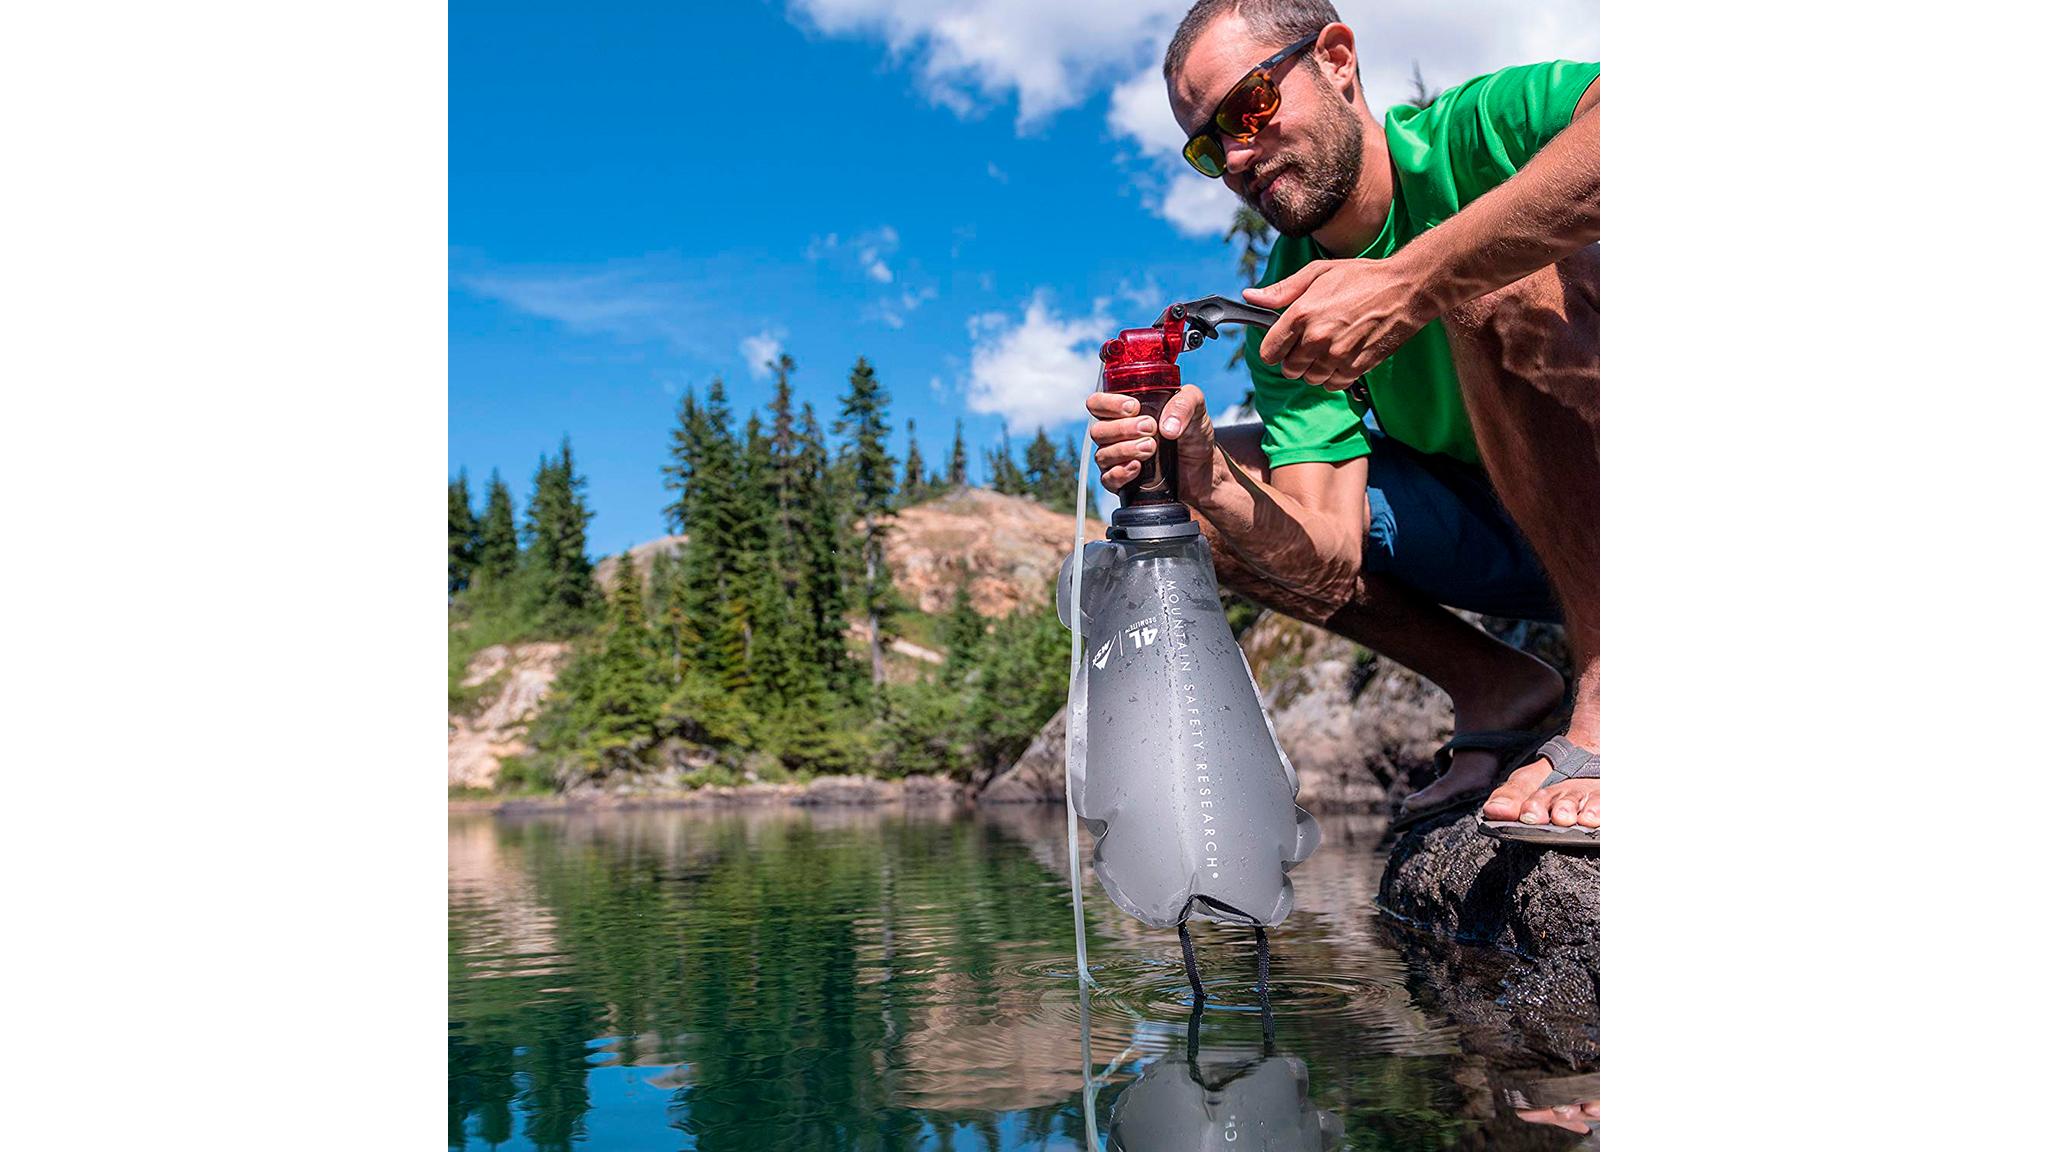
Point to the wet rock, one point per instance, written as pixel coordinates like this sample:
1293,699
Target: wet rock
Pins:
1040,775
1506,935
931,790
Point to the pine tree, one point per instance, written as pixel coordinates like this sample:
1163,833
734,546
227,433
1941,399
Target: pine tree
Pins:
826,520
1066,476
561,597
770,652
1003,474
497,545
1041,469
962,628
663,575
624,695
956,471
912,489
864,417
462,534
783,449
703,471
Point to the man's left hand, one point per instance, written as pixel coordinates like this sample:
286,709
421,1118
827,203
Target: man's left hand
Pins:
1341,318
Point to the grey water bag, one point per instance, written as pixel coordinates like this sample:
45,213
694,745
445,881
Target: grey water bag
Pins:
1171,760
1222,1104
1190,799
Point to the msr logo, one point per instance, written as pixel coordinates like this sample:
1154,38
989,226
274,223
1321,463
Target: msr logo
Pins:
1101,658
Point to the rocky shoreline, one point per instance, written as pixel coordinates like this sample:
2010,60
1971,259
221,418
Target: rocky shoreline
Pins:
823,792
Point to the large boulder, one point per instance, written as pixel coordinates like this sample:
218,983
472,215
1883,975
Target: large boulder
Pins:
1534,912
1359,730
1040,775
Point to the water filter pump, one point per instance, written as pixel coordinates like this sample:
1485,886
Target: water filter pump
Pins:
1179,776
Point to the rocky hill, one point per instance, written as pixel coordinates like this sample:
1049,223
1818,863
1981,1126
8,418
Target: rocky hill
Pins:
643,558
1011,545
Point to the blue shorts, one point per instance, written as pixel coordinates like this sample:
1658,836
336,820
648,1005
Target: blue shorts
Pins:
1438,528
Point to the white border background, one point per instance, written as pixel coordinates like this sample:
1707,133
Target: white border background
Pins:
224,341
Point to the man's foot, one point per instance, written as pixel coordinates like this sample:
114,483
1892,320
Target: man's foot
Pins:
1518,703
1564,804
1579,1117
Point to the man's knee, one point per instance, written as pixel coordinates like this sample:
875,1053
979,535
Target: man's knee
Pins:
1542,331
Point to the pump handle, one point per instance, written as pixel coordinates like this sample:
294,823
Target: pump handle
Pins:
1204,316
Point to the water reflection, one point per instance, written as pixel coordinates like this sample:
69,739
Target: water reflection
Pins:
1226,1094
782,979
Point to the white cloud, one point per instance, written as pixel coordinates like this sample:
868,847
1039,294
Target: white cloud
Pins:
759,351
1037,370
1138,110
1197,205
1054,54
873,247
1047,54
633,300
1450,43
1141,296
896,310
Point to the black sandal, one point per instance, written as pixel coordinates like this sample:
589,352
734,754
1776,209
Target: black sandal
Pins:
1513,745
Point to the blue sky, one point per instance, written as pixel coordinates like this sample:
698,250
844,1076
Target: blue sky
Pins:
974,196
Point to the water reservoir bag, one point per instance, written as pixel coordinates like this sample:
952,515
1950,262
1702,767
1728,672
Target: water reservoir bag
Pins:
1188,794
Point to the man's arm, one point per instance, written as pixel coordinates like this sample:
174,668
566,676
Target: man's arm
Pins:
1304,530
1540,215
1345,316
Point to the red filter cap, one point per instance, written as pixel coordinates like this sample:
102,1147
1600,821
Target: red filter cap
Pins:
1142,359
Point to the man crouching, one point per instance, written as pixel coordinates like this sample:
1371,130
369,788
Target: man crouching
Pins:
1430,396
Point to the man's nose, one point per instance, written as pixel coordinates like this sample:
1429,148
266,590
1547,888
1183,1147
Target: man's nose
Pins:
1237,155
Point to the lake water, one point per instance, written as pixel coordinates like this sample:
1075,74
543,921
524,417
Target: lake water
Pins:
904,979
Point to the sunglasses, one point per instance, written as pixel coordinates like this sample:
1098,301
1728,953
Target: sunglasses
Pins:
1242,112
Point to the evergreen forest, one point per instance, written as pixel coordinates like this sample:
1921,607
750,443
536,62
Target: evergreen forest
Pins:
758,650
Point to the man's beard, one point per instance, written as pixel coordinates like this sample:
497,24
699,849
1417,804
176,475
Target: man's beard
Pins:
1323,177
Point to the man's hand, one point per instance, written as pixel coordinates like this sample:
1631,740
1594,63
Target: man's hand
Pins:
1341,318
1125,440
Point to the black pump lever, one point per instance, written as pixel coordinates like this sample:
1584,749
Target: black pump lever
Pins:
1203,317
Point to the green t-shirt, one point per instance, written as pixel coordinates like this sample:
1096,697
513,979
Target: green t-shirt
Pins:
1468,140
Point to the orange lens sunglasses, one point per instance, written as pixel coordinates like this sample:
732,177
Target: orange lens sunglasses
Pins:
1242,111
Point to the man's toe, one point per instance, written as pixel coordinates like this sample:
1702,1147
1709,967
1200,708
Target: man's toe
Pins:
1536,809
1506,801
1565,812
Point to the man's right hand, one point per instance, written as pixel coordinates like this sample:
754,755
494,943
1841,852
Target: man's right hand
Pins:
1124,440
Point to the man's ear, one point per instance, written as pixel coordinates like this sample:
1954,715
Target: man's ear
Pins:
1337,54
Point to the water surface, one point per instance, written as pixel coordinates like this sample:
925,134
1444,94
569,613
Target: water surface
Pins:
904,979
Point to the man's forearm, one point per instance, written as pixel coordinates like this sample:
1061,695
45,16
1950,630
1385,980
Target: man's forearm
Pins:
1280,537
1538,216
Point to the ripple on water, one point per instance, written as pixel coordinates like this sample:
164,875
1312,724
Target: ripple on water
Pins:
1149,984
